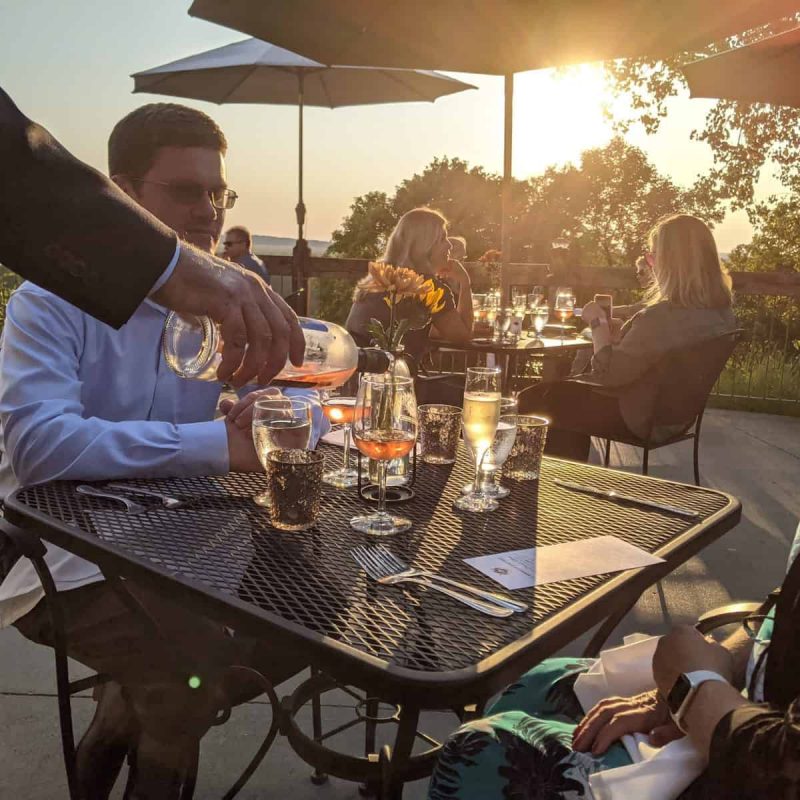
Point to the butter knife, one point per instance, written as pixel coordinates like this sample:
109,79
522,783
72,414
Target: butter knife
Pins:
610,494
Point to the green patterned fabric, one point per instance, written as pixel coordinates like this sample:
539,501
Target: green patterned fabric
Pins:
522,749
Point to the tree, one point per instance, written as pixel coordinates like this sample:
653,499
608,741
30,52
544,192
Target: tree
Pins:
364,231
776,241
743,138
607,205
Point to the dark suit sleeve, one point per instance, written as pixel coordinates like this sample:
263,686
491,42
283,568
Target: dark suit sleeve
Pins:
69,229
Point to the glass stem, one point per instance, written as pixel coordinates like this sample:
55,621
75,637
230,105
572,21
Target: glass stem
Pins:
346,455
477,488
382,464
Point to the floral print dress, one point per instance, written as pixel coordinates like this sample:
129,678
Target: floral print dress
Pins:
522,749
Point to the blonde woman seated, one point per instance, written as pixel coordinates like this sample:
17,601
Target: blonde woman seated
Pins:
419,241
689,302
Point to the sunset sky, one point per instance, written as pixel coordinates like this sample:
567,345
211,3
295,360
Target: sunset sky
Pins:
67,65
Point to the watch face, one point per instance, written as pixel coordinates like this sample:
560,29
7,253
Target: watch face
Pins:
678,693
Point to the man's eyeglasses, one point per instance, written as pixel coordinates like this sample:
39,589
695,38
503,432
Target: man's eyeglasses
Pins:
189,194
229,243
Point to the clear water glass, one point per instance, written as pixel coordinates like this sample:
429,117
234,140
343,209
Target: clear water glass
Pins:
279,423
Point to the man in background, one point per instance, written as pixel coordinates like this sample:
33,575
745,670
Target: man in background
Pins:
238,247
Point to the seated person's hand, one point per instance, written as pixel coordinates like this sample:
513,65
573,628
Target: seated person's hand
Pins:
612,718
240,413
592,311
685,649
241,450
454,271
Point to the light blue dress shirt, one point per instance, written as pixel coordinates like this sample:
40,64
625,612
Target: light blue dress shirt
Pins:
82,401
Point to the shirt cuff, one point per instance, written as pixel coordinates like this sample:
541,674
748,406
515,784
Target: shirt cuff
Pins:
167,273
204,448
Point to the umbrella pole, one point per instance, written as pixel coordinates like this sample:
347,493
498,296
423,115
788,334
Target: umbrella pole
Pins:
301,251
505,223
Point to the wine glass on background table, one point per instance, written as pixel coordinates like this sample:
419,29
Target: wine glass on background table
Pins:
498,452
280,423
564,305
384,428
541,316
340,411
480,417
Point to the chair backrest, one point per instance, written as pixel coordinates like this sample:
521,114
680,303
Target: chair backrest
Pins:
684,378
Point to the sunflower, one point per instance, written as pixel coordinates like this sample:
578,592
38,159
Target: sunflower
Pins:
431,297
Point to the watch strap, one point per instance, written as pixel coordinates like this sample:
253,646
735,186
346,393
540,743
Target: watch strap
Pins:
696,679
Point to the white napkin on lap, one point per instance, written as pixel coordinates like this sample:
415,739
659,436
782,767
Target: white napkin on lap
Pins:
657,773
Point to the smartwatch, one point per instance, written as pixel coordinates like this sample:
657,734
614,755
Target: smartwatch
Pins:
683,691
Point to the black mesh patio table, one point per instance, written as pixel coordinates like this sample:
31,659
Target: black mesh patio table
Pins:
407,645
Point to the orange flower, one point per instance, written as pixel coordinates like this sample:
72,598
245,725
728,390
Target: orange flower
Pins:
491,256
398,281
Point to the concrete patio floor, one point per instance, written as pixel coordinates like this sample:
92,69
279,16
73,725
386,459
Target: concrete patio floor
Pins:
753,456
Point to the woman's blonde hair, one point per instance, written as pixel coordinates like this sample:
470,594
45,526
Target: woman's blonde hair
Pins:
411,242
687,268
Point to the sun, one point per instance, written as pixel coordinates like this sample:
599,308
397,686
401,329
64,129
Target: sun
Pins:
558,115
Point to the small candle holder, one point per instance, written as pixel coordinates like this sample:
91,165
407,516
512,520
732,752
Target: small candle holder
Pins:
394,494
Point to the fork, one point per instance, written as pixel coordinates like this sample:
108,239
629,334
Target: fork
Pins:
166,500
93,491
367,561
396,570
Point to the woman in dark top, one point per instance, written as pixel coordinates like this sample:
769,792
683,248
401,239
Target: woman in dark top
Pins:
419,242
689,302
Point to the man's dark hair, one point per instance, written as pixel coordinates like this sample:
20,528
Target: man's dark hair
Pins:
244,233
137,137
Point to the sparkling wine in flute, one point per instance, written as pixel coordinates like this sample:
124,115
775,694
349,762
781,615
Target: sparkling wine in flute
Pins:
280,434
479,418
385,445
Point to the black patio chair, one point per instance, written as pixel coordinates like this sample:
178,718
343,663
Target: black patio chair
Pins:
677,389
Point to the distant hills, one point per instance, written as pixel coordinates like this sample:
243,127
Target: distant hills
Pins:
283,246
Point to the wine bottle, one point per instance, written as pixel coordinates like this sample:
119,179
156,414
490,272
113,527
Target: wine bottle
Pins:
192,348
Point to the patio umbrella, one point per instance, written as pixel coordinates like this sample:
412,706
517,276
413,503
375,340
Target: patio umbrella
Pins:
498,37
765,72
253,71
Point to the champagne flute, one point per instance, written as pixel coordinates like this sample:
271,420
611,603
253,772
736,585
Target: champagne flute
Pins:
384,428
564,305
541,316
279,423
340,411
498,452
480,417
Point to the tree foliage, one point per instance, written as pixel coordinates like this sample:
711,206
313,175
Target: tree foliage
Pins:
605,204
743,138
776,241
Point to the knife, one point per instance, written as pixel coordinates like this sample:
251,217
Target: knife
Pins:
610,494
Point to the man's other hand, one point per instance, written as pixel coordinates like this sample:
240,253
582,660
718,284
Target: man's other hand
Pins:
251,315
241,450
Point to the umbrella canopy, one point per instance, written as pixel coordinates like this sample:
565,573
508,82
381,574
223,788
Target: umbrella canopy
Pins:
253,71
765,72
489,36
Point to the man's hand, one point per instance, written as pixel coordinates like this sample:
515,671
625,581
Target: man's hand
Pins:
249,312
592,311
685,649
241,450
240,413
611,719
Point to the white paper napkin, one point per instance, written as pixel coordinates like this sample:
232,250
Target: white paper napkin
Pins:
336,436
657,773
